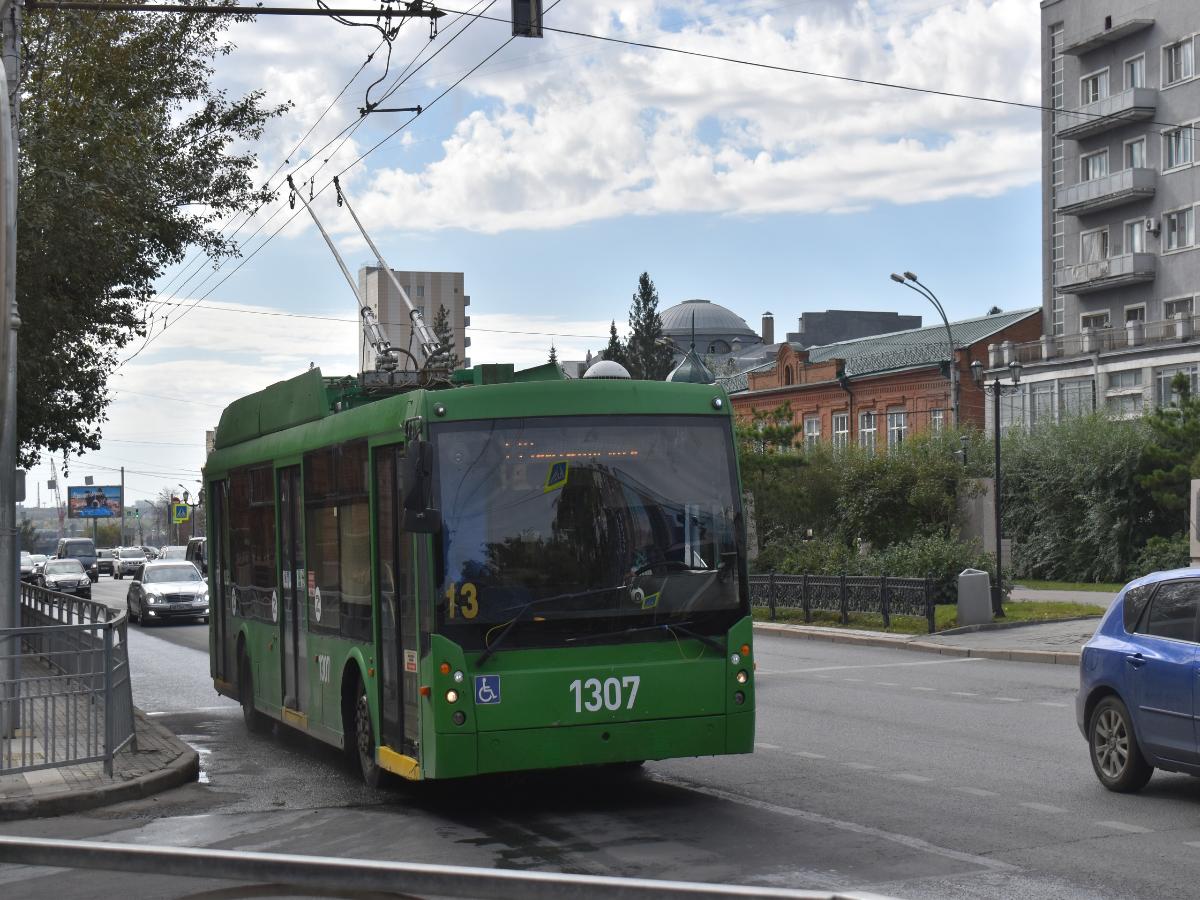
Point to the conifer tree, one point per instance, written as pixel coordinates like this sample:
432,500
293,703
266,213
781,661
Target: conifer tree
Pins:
615,351
553,353
445,335
647,359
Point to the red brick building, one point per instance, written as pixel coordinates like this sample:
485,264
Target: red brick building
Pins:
880,390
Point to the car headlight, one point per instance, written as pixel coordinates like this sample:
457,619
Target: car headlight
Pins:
152,597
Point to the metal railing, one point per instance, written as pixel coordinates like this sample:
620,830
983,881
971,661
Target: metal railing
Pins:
338,875
72,699
884,594
1178,330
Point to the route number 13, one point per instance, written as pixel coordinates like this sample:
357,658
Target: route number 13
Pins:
611,694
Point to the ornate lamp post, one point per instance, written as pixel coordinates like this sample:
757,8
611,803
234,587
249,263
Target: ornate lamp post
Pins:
997,389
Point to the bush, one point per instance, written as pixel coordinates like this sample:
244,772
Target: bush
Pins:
1162,553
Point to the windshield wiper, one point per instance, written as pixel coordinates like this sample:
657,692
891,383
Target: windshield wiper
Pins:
663,626
494,645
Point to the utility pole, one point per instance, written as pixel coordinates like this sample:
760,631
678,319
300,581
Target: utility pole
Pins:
10,322
122,541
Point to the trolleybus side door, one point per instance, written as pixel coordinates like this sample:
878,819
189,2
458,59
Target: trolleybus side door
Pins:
219,582
291,547
395,608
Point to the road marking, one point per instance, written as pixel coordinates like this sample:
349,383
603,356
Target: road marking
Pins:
905,776
855,680
805,754
1007,699
963,694
887,684
975,792
181,712
924,689
862,767
762,746
905,840
1044,807
1191,843
1050,703
1124,826
928,662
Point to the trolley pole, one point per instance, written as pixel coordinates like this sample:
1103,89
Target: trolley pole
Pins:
10,322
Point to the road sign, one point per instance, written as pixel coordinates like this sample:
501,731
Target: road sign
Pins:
180,513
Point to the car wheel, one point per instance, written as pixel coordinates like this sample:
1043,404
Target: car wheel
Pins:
363,751
1115,753
254,720
117,575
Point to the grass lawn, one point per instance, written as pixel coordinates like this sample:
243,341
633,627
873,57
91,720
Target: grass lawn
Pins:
1068,586
945,616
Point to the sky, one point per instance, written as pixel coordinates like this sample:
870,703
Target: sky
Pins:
562,168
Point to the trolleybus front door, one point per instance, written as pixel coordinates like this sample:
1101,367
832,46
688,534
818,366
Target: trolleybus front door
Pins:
396,609
291,631
219,576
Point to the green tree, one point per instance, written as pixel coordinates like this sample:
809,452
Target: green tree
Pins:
128,157
1172,459
445,335
648,359
26,535
553,353
615,351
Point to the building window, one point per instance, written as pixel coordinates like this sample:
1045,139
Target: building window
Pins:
1126,406
787,375
1093,87
812,431
420,290
866,431
841,430
1181,307
1128,378
1177,62
897,427
1177,147
1135,72
1012,410
1180,229
1135,313
1093,321
1093,245
937,420
1041,402
1076,397
1135,154
1165,394
1135,237
1093,166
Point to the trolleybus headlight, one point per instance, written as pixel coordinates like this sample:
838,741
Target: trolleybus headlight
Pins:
735,658
739,698
459,717
742,677
458,677
452,696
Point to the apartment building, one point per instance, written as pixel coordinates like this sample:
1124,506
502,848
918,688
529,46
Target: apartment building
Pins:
429,291
1120,189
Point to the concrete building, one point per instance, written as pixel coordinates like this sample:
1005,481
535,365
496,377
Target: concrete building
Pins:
1120,186
834,325
878,391
428,291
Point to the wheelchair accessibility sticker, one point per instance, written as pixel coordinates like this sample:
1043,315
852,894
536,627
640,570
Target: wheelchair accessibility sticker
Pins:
487,689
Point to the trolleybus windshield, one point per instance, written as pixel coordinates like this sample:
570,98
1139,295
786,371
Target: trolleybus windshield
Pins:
587,527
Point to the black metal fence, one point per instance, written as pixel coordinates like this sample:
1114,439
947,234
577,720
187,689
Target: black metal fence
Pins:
71,700
843,594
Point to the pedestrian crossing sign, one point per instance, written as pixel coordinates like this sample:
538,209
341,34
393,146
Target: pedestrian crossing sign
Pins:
180,513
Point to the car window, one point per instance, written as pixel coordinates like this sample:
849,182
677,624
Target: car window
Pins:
171,573
1135,604
1173,611
132,554
63,566
26,557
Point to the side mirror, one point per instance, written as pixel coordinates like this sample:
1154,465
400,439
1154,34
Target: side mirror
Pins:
416,479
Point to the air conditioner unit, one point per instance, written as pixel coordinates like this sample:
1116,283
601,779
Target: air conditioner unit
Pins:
1152,226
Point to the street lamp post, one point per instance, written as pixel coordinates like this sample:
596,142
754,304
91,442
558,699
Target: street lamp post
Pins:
925,292
997,389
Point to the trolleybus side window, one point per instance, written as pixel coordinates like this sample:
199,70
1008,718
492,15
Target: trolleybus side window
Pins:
337,530
252,540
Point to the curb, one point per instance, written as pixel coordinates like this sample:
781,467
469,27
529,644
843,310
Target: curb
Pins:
1002,626
809,633
184,768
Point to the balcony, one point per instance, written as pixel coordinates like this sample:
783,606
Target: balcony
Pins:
1113,111
1179,330
1112,190
1117,271
1077,44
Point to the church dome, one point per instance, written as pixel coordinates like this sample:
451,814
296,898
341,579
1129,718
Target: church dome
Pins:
716,326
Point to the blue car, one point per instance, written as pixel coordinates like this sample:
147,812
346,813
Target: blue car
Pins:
1138,701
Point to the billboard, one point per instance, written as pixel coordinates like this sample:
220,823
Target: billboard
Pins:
94,501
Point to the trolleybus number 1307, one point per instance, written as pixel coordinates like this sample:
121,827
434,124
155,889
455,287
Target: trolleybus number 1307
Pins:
609,694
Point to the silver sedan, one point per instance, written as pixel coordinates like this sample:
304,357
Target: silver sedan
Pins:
167,589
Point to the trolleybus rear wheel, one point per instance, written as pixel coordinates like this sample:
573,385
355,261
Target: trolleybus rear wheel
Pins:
251,716
364,739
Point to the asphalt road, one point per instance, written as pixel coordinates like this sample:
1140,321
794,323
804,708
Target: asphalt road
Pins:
910,775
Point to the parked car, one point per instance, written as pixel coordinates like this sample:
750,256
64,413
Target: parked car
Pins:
177,551
128,561
197,552
39,560
105,560
1135,704
167,589
82,549
67,576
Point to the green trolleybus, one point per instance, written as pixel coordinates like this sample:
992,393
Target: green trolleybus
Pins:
512,571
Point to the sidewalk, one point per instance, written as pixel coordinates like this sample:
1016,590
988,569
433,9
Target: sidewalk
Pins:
161,761
1044,642
1101,599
